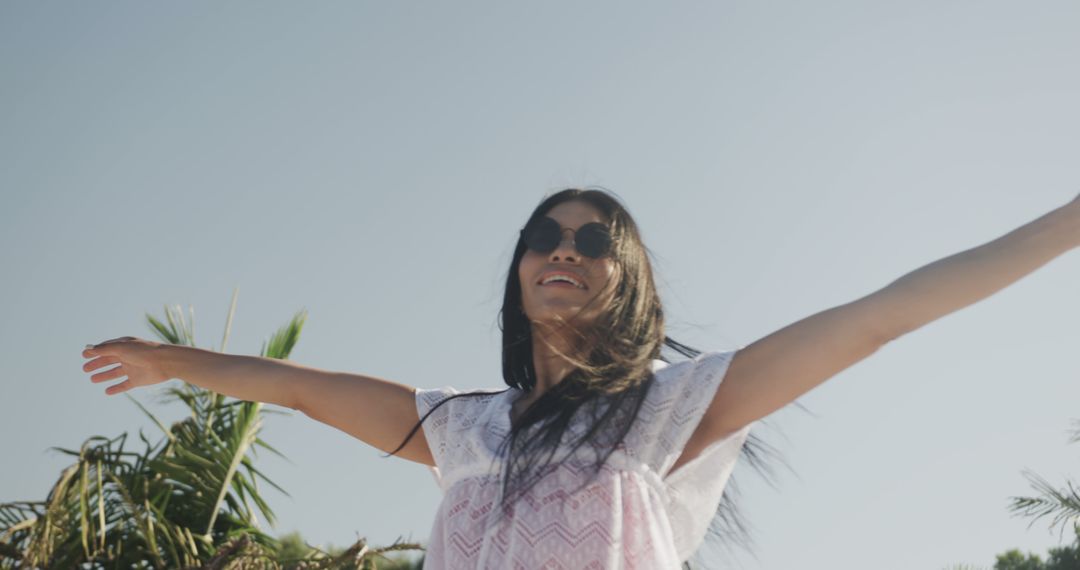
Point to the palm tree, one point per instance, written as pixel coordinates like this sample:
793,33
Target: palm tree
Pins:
1063,504
191,500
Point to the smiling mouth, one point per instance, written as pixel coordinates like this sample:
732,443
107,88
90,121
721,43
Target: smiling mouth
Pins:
563,284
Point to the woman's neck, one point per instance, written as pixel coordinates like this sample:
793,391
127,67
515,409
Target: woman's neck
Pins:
550,367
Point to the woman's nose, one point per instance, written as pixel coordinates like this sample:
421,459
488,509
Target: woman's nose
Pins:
567,248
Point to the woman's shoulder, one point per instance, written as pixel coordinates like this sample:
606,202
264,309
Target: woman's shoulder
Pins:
456,398
681,390
708,363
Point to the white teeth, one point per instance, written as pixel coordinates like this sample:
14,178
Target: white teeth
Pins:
565,278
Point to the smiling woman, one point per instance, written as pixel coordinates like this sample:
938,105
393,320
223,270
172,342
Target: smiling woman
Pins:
580,462
592,457
555,308
602,452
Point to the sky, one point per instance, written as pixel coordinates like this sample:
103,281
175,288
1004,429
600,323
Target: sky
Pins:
372,162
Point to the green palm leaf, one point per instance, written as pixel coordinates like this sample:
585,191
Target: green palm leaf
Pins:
190,500
1063,505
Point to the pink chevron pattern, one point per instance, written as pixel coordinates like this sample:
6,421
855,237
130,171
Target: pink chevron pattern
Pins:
634,514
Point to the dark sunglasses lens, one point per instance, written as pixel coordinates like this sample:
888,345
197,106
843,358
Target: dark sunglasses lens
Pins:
542,236
593,240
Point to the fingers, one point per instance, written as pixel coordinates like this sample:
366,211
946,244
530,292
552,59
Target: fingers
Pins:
98,363
110,374
93,349
110,341
102,360
117,339
91,353
121,387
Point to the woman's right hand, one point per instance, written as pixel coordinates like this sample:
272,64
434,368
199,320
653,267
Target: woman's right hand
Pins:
140,360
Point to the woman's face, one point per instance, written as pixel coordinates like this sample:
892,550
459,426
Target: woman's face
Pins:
542,302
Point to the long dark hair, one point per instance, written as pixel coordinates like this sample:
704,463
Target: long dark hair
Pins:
609,383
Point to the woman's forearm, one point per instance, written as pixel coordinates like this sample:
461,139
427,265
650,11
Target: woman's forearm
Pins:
251,378
954,282
377,411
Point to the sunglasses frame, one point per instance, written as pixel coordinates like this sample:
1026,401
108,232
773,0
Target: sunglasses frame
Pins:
529,231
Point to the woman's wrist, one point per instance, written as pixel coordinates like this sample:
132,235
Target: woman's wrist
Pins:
177,360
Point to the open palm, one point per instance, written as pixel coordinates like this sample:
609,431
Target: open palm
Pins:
140,360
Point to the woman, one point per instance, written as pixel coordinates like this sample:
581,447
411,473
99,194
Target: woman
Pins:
601,453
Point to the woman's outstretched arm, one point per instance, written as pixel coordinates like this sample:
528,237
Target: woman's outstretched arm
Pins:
775,370
376,411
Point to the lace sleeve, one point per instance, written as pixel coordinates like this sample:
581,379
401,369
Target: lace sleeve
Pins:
436,425
695,489
675,405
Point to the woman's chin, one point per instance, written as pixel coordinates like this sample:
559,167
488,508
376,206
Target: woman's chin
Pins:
555,315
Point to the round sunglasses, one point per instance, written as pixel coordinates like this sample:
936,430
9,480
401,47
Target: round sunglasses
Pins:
544,235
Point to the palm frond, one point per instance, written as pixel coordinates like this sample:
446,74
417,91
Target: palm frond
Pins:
189,500
1063,505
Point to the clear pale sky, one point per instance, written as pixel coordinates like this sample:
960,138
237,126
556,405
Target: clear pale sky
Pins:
371,162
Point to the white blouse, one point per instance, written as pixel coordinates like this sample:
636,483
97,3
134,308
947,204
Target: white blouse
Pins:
634,514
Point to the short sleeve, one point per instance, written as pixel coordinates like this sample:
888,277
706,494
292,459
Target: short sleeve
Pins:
437,425
675,405
683,392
